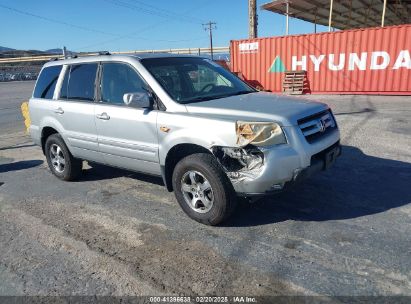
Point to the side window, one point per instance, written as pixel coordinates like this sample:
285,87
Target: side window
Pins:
118,79
47,82
79,82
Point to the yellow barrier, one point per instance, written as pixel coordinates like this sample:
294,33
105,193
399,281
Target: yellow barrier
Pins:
26,115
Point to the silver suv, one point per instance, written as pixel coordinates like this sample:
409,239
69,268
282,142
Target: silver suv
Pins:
208,134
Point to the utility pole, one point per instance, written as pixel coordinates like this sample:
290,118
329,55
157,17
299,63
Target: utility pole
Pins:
383,13
253,19
210,26
287,10
331,15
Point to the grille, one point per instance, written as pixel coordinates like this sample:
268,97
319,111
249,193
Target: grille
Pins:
317,125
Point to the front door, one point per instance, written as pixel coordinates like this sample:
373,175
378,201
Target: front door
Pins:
127,136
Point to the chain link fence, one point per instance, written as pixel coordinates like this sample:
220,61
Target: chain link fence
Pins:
20,71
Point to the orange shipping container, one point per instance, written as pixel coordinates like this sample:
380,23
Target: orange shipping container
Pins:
363,61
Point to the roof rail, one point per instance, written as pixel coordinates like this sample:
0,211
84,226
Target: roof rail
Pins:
54,59
104,53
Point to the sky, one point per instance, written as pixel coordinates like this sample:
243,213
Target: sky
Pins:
123,25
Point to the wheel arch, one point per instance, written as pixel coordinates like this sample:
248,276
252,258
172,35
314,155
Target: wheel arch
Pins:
45,133
174,155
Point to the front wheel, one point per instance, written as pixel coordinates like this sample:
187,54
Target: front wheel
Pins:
203,190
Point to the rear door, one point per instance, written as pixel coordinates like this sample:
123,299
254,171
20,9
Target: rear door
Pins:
127,136
76,110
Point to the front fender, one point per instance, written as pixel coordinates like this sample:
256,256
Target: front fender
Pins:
190,129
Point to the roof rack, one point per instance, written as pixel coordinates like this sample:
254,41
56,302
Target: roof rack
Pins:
73,56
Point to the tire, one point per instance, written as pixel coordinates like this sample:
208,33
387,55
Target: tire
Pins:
221,193
65,166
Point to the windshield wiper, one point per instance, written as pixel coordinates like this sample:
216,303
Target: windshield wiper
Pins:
205,98
242,93
198,99
232,94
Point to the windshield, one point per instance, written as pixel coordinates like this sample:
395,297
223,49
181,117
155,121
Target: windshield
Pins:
189,80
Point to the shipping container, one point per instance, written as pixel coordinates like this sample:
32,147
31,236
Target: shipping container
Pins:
363,61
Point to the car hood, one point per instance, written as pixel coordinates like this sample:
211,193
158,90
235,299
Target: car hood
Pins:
259,106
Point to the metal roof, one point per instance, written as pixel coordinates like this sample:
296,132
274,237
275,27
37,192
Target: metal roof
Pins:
346,14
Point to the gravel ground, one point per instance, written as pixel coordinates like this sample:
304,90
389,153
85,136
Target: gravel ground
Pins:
343,232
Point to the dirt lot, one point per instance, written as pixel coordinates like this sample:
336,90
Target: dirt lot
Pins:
343,232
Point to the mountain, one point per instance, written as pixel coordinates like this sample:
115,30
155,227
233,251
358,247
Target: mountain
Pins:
50,51
3,48
19,53
54,51
6,52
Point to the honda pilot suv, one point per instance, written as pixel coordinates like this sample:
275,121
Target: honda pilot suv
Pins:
209,135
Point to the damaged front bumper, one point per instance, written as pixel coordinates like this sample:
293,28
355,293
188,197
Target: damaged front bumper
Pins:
263,171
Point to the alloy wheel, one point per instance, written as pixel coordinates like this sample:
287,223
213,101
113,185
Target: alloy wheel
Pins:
197,191
57,158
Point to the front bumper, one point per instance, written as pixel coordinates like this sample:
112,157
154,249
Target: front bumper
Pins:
288,164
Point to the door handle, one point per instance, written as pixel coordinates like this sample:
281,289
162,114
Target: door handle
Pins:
103,116
59,111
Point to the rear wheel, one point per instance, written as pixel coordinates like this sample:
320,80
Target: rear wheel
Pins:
60,161
203,190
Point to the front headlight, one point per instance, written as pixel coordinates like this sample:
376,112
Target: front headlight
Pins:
259,133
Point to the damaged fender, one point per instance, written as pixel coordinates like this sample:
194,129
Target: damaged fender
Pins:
240,163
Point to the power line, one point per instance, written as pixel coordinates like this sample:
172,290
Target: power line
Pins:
118,36
153,12
133,36
56,21
168,11
144,29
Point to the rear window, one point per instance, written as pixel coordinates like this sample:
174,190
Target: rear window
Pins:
47,82
79,82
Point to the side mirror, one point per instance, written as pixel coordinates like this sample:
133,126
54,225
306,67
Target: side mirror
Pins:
137,99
